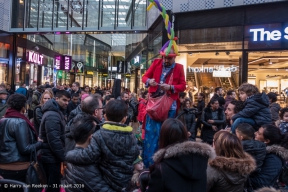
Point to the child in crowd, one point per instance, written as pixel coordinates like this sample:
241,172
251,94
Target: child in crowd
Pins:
138,167
256,111
113,148
283,123
256,149
143,180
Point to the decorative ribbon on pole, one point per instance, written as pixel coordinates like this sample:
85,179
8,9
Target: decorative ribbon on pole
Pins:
168,26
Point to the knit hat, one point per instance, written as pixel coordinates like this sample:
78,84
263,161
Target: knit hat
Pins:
137,160
3,92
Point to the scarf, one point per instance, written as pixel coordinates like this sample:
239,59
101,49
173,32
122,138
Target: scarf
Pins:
12,113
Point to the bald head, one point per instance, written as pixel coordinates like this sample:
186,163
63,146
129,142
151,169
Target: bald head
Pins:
91,103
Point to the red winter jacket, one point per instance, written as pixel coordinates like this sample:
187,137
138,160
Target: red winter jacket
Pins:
142,109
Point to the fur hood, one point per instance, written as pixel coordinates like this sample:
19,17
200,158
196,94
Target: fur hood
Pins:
187,147
243,166
278,150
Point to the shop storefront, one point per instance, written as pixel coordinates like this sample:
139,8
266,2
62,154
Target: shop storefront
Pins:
4,60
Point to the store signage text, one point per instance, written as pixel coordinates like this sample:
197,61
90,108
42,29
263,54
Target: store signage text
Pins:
35,58
267,35
203,69
63,62
89,72
67,62
221,73
58,62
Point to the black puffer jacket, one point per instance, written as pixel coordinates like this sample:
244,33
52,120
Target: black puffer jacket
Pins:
69,141
257,108
275,108
52,132
74,112
114,149
182,167
187,116
257,150
17,141
37,118
88,175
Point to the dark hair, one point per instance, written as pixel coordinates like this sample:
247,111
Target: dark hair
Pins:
249,89
86,86
90,104
246,130
228,145
213,100
108,97
144,93
74,95
116,110
16,101
274,135
239,106
217,89
123,93
144,178
186,100
77,84
272,96
221,101
172,131
202,95
230,92
61,93
82,127
182,95
283,111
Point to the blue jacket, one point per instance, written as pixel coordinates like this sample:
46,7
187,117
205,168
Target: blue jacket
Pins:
256,108
22,90
271,168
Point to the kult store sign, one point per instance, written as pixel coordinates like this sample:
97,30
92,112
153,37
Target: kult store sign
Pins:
35,57
63,62
260,34
203,69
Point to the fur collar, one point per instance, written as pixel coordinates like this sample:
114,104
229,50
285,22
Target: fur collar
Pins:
184,148
278,150
243,166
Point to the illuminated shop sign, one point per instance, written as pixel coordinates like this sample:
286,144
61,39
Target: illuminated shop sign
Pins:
63,62
35,57
221,73
90,73
221,68
260,34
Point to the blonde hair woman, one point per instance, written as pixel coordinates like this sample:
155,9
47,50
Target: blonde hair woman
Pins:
46,95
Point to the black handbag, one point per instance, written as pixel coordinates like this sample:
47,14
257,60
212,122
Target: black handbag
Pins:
35,173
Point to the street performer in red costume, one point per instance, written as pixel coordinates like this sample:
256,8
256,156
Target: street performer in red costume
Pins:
157,78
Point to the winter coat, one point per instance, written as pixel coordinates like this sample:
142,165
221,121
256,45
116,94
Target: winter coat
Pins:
114,149
142,109
52,132
38,114
35,99
22,90
229,174
69,141
257,108
181,167
200,107
228,100
283,127
88,175
133,109
188,118
74,113
71,106
3,109
271,168
257,150
17,141
275,108
207,133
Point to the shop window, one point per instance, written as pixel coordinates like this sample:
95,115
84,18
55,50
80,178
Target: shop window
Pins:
3,72
4,50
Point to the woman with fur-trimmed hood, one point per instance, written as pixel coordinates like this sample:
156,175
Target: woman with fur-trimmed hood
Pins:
277,154
180,165
232,166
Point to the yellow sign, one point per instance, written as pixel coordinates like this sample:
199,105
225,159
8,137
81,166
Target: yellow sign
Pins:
89,72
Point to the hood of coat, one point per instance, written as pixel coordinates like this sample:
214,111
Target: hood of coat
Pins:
50,105
179,157
256,148
185,148
233,169
276,105
261,98
278,150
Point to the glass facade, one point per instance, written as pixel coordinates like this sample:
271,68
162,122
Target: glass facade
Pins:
75,15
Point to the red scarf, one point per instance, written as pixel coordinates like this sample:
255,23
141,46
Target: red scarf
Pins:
12,113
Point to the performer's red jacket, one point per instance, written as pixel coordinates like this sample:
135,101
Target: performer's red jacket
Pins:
155,71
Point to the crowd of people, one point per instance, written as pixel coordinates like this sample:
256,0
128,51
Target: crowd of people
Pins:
107,141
